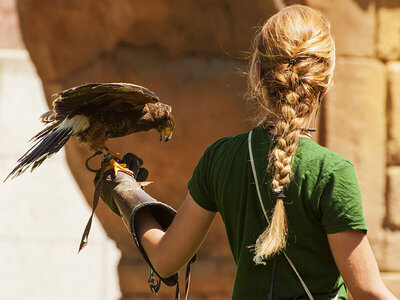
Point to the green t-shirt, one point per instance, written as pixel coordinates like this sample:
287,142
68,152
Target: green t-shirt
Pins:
322,197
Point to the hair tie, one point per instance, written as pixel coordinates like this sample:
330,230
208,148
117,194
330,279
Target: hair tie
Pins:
279,193
292,61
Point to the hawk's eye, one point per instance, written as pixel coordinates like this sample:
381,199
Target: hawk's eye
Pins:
169,124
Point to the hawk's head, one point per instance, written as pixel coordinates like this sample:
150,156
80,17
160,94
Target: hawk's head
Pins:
165,120
166,130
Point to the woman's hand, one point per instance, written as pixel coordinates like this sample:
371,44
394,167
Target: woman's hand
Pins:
356,262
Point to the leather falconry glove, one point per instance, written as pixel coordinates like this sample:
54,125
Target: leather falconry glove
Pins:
133,163
124,196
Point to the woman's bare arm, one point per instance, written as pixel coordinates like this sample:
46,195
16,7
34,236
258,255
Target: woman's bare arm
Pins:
169,251
356,262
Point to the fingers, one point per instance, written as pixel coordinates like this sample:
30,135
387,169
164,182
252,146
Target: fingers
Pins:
109,174
132,158
142,175
133,162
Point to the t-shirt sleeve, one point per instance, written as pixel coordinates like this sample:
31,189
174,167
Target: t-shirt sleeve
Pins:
340,200
200,185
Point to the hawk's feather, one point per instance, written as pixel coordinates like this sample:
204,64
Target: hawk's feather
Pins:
95,112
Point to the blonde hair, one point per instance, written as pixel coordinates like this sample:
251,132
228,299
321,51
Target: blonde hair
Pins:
291,68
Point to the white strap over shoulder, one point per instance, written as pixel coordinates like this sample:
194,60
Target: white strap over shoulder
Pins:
266,217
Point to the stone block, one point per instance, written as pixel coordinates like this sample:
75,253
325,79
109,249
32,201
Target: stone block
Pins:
353,25
216,245
392,282
393,112
133,279
213,277
10,35
393,204
72,33
68,36
355,126
392,253
209,277
388,35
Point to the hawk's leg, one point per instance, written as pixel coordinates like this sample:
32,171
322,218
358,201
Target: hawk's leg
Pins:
107,151
117,155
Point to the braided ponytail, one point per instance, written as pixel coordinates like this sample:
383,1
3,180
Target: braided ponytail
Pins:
291,67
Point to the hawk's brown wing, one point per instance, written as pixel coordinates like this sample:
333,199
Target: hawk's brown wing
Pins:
102,97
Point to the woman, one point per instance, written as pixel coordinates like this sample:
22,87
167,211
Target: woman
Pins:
308,219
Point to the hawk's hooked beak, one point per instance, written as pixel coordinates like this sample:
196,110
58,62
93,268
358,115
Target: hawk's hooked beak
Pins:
166,133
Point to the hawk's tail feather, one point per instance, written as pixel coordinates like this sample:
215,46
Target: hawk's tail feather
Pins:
43,144
44,132
50,142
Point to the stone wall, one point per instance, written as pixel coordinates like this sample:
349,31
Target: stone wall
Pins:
190,53
362,115
10,35
42,215
388,51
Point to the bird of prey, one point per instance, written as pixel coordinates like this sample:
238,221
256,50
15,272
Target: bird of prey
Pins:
93,113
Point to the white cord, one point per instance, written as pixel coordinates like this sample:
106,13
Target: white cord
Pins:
253,167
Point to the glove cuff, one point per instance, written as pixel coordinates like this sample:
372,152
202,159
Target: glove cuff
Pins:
164,214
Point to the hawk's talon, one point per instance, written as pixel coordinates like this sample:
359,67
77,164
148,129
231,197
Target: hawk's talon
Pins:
118,167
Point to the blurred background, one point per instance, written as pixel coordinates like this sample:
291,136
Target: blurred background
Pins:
192,54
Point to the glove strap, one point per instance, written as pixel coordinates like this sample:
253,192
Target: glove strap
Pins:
187,283
96,196
95,201
187,278
155,284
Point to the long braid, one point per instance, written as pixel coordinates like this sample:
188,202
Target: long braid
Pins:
273,239
291,67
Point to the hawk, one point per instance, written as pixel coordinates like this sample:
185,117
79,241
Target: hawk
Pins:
94,113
